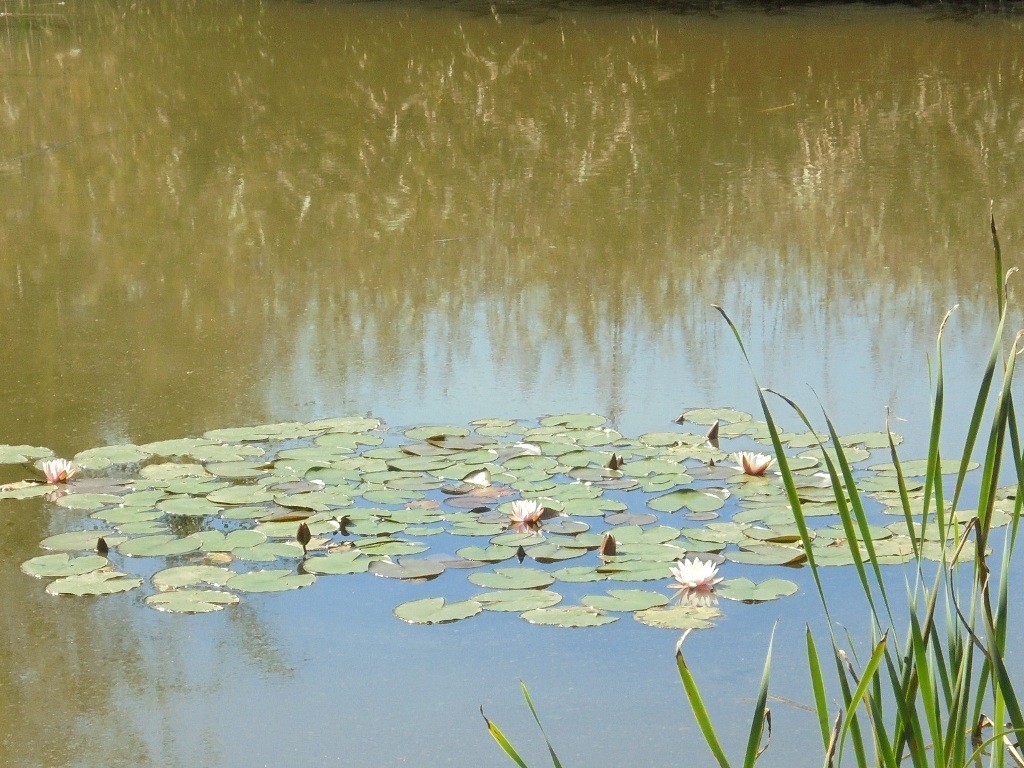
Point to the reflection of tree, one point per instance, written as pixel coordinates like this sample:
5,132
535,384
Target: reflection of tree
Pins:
567,188
65,664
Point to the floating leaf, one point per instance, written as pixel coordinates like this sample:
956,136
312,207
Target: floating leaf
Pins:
99,458
696,501
679,617
123,515
191,575
74,541
93,583
392,547
268,552
160,545
338,562
408,568
273,580
215,541
512,578
88,501
578,574
747,591
189,506
517,600
708,416
568,616
767,554
22,454
434,610
51,566
495,553
627,600
574,421
191,601
240,494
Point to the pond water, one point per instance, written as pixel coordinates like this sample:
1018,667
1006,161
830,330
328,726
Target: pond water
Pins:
228,213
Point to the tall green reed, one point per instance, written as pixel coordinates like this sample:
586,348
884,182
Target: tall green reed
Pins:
944,697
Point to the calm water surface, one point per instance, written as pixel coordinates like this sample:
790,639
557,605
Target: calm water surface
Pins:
228,213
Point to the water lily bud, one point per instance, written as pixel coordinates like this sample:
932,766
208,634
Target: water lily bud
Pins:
607,548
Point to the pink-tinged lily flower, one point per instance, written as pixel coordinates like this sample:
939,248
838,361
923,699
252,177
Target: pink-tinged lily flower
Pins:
751,463
526,511
525,515
695,575
58,471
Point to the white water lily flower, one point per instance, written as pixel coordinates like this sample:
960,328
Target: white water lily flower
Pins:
695,574
751,463
526,511
58,471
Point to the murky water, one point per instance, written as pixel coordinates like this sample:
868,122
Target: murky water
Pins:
218,214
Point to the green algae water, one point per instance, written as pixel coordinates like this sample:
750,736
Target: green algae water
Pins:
225,214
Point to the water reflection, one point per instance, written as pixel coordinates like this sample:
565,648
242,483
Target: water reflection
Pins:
214,217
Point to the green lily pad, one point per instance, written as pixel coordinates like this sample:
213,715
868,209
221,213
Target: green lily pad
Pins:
123,515
240,494
408,568
767,554
244,513
74,541
627,600
182,576
160,545
747,591
62,564
512,578
99,458
191,601
272,580
696,501
392,547
434,610
574,421
635,570
25,490
708,416
550,552
216,541
93,583
634,534
517,600
189,506
88,501
422,433
679,617
22,454
338,562
494,553
578,574
180,447
346,424
268,552
568,616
